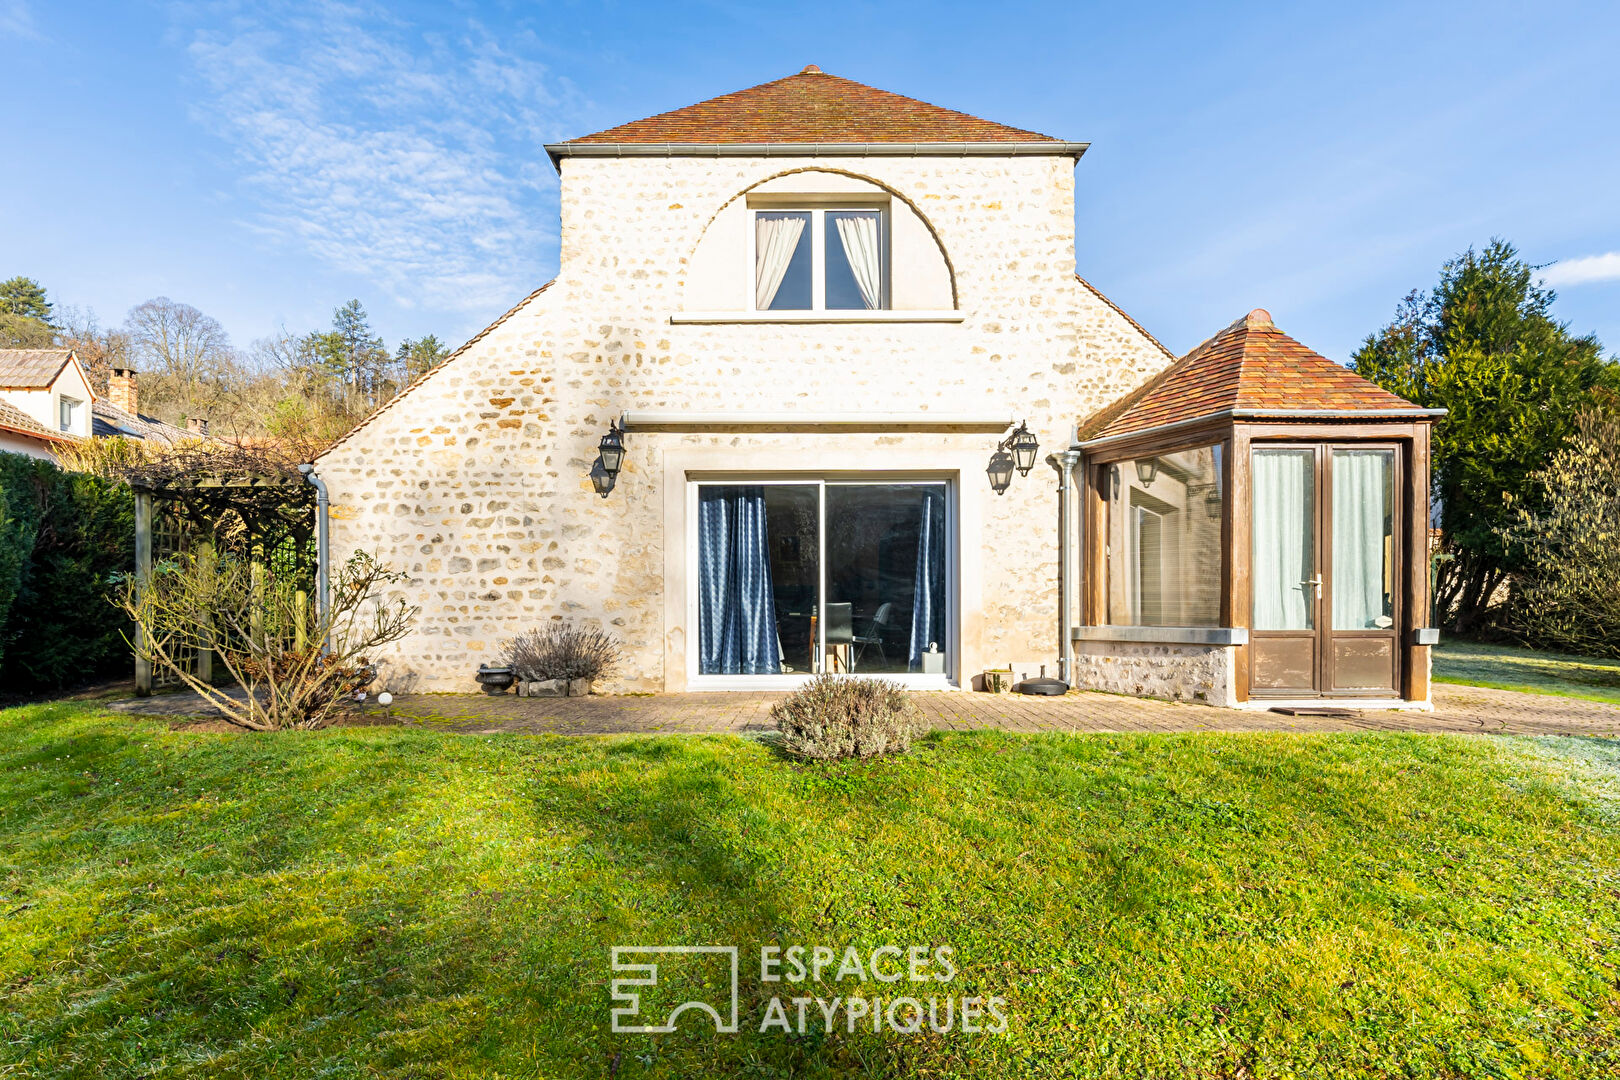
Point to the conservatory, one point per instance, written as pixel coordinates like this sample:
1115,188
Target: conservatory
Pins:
1256,532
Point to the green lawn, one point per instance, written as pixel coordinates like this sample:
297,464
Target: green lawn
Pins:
1506,667
407,903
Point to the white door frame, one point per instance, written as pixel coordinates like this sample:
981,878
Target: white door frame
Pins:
684,468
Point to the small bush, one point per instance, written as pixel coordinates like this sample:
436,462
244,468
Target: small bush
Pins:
563,652
831,718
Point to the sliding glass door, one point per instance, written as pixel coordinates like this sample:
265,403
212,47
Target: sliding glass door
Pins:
799,577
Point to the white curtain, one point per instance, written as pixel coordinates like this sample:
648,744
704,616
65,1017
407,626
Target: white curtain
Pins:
775,241
1361,481
859,235
1282,525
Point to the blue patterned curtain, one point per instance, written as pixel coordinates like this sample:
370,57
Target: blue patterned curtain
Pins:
928,590
736,608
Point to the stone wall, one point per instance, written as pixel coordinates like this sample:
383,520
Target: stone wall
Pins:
1201,673
476,482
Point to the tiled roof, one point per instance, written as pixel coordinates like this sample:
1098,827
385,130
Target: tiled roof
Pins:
14,419
1249,367
107,419
812,107
31,369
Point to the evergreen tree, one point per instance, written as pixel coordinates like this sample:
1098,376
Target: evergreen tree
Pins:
1484,345
422,355
26,316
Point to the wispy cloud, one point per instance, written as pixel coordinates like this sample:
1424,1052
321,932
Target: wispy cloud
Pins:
17,21
1581,271
410,156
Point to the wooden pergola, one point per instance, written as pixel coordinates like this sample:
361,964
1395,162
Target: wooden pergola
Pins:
1258,496
241,499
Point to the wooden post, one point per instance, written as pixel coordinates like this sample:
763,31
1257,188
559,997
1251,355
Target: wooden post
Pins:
205,654
256,580
143,576
300,619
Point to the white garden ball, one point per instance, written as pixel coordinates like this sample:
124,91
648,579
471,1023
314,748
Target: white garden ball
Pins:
385,699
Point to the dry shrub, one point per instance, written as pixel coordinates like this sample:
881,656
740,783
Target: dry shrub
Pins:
562,652
831,718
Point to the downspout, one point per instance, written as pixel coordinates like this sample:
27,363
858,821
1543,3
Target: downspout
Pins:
1064,463
323,546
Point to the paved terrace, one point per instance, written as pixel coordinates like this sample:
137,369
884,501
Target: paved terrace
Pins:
1460,709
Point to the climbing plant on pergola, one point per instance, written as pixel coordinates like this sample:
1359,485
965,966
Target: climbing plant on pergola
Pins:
249,500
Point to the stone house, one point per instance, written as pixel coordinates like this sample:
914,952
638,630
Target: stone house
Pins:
872,421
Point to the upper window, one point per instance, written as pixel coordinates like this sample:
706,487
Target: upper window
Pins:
820,260
69,413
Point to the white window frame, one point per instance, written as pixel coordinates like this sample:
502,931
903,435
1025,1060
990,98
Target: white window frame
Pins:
821,481
71,407
818,253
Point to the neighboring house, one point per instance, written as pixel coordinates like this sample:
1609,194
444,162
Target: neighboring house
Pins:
823,316
45,400
118,414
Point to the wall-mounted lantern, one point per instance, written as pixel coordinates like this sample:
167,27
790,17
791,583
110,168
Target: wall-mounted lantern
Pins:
609,460
1000,471
1024,446
1017,451
1147,470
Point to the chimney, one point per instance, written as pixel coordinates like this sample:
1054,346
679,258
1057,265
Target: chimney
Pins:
121,389
197,425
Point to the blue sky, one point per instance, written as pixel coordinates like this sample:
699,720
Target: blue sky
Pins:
265,162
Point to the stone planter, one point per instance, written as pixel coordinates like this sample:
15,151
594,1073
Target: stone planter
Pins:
495,680
555,688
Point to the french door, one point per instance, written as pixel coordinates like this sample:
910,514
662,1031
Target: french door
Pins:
1325,570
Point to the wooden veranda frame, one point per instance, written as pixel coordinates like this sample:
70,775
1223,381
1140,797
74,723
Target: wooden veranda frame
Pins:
1238,436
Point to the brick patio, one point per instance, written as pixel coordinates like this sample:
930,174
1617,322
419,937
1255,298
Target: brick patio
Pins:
1458,709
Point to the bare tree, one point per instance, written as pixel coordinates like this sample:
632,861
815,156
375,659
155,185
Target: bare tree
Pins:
300,668
99,349
186,352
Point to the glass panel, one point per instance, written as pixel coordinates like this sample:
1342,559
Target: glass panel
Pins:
782,260
1363,539
854,248
1284,527
1164,539
886,589
757,577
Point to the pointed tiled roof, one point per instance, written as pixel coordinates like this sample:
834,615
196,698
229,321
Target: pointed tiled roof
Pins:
811,107
31,369
1251,368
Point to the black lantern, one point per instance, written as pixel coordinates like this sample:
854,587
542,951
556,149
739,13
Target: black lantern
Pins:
612,449
1024,447
1000,471
1147,469
609,459
602,480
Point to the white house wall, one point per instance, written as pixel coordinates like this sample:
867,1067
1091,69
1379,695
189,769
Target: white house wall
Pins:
475,484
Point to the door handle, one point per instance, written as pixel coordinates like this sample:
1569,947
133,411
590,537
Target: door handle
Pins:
1315,583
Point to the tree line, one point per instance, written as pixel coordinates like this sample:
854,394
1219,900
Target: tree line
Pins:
1526,479
303,389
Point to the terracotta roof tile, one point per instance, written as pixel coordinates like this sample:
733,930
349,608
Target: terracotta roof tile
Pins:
1250,365
31,369
14,419
812,107
108,420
